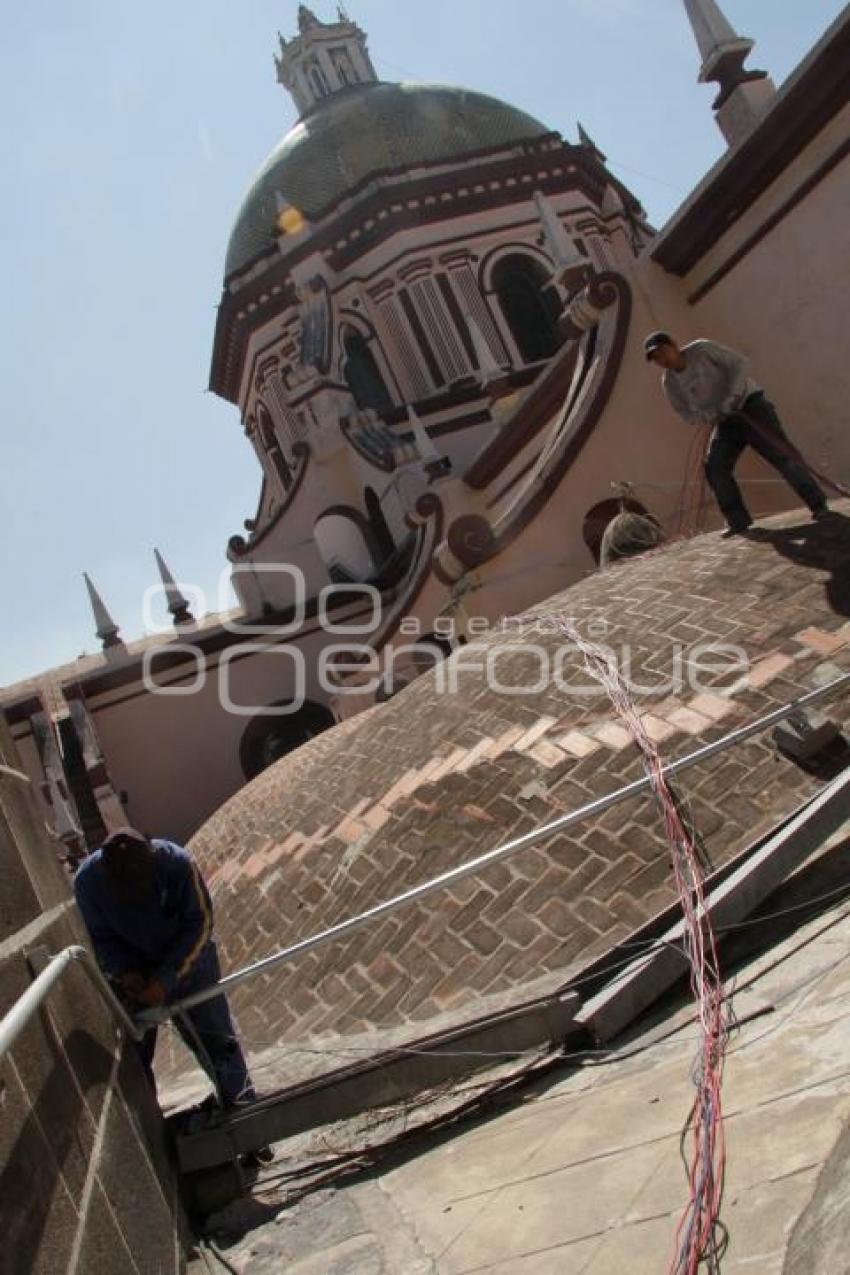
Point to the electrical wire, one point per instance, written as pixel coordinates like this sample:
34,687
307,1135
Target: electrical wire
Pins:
348,1160
353,1159
213,1248
698,1238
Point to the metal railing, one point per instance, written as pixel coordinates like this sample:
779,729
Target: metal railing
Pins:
34,997
483,861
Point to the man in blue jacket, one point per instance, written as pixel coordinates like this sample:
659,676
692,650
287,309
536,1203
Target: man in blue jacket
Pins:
149,915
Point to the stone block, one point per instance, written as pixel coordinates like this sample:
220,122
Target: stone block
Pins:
19,902
823,642
57,1101
577,743
613,736
547,754
129,1182
104,1250
23,826
38,1219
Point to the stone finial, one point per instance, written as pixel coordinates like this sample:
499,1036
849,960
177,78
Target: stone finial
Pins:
712,28
744,94
307,18
424,444
570,264
488,368
434,465
178,606
105,627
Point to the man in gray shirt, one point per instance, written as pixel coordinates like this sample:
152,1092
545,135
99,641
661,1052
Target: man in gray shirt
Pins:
707,383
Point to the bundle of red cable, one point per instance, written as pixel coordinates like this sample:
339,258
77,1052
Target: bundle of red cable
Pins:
697,1237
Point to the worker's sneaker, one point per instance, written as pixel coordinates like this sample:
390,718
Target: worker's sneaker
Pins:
735,531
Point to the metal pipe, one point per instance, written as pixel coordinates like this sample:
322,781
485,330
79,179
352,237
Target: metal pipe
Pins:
483,861
199,1049
26,1006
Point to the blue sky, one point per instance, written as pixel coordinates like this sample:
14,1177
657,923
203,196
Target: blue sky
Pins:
132,131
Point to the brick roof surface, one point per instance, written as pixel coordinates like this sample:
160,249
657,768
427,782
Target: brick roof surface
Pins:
430,779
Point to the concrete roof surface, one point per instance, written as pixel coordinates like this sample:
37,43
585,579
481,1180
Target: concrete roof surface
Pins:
582,1174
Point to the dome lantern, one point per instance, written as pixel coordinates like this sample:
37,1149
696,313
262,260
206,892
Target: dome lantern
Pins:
322,60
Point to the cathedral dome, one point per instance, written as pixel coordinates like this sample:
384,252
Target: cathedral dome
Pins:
445,771
362,132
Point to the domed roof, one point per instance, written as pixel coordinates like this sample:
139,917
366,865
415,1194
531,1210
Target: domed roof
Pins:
434,777
363,131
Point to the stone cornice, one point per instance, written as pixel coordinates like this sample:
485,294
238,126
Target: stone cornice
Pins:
547,164
804,105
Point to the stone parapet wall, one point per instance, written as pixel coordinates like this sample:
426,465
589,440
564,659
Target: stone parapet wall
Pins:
85,1186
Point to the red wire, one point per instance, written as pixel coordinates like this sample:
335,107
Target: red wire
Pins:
695,1235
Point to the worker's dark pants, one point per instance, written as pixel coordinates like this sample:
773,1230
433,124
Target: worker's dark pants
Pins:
758,426
209,1032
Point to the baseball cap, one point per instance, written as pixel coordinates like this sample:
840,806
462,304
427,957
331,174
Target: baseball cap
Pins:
654,342
123,838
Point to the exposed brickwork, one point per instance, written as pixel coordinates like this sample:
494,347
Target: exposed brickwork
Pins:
428,780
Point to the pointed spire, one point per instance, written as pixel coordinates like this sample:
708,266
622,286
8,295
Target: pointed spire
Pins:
570,264
178,606
105,627
435,465
424,445
488,368
584,139
711,27
724,53
306,18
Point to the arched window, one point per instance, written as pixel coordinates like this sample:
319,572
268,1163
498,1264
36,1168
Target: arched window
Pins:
362,374
530,304
320,83
341,541
270,737
383,545
344,67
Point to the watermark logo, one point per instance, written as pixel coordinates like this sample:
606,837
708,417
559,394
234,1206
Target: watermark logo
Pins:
330,645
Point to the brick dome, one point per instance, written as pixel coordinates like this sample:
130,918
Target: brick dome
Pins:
360,133
428,780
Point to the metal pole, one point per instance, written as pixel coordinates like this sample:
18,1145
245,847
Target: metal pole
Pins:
25,1007
482,861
